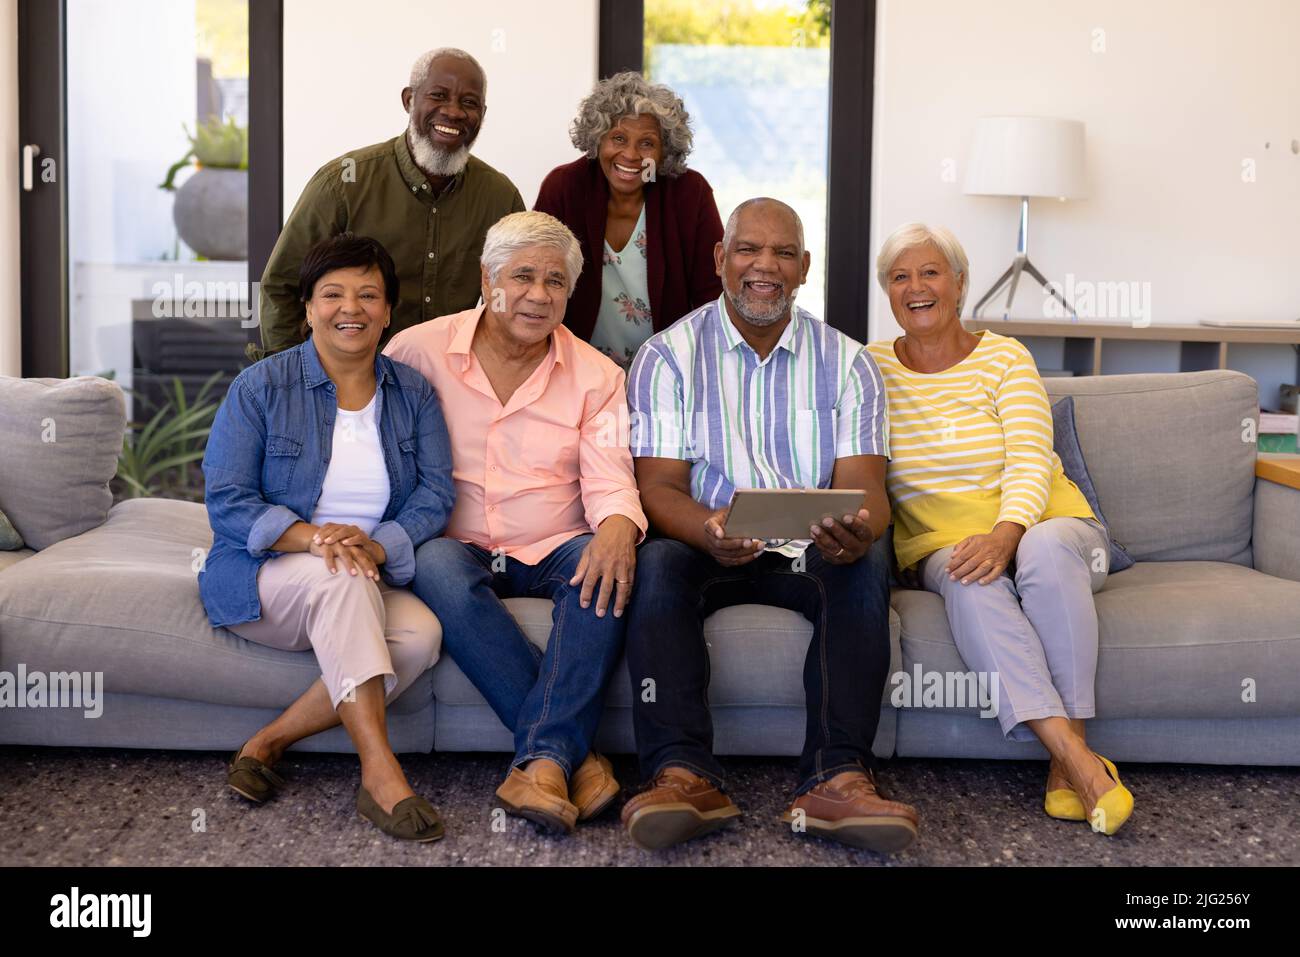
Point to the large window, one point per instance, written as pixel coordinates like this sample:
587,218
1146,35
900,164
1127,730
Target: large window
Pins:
157,277
755,76
156,248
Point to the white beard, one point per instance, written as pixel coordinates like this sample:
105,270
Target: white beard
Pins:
773,312
431,158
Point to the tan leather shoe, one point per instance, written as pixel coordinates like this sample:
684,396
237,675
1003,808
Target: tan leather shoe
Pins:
677,807
592,787
847,808
539,794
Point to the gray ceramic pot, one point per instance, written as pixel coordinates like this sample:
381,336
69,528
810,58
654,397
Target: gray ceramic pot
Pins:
211,213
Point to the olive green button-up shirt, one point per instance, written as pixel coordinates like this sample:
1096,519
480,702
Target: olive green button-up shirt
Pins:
435,239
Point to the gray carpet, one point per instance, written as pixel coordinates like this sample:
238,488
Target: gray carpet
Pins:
110,807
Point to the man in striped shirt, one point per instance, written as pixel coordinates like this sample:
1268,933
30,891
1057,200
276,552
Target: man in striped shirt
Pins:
752,392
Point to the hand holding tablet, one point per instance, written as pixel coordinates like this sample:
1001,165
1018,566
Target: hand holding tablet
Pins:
835,519
785,513
729,551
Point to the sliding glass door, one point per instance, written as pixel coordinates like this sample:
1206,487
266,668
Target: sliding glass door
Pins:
135,121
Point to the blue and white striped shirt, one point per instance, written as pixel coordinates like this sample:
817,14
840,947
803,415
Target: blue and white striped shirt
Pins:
698,392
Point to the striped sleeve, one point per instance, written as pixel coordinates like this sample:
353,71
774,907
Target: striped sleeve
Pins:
1026,420
863,423
655,407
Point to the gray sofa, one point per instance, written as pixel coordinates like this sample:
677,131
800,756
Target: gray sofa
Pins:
1200,640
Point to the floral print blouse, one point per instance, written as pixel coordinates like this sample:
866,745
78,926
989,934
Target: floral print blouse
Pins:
623,322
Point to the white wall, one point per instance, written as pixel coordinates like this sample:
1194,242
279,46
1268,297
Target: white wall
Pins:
1182,94
10,293
344,73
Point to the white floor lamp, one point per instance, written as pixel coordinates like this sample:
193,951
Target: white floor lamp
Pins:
1025,156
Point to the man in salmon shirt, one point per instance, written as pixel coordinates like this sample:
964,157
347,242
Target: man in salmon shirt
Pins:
546,507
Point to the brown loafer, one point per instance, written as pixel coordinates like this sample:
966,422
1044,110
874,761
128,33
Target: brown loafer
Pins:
849,809
413,818
677,807
539,793
250,778
593,788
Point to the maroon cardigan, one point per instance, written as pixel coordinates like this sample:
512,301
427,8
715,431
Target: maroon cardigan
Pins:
682,227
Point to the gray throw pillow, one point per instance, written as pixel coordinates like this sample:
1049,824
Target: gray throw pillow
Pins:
59,444
10,540
1066,443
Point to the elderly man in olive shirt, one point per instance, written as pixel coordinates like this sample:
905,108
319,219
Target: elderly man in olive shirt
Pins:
421,194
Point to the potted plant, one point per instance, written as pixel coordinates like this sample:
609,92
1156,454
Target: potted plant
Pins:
211,210
160,457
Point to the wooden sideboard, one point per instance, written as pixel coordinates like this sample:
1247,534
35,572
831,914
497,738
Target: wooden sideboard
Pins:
1282,469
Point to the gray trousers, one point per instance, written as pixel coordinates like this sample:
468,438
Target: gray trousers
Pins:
1035,627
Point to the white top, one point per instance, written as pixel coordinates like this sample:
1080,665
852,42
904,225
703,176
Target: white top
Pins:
356,486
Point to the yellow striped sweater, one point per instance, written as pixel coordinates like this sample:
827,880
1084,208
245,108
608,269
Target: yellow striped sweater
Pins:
969,447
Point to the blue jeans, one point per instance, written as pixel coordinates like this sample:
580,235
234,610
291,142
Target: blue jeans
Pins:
552,701
844,673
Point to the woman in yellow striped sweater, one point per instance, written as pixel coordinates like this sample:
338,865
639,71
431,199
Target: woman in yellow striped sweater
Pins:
985,517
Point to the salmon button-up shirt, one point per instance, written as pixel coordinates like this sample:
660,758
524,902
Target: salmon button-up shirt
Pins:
552,463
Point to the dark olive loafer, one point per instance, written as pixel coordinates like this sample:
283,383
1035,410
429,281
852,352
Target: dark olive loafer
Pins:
413,818
252,779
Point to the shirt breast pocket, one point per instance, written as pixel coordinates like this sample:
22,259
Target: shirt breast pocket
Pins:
814,445
551,450
279,463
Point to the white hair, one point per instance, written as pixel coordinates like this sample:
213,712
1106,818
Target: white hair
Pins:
518,231
911,235
420,71
729,232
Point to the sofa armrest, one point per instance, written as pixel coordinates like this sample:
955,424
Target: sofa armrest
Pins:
1276,538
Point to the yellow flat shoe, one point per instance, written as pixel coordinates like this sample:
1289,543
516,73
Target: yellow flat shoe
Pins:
1064,805
1114,807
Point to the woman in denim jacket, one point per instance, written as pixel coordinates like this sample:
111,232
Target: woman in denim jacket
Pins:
327,466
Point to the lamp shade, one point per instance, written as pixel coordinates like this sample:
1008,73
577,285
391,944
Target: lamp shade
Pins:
1026,156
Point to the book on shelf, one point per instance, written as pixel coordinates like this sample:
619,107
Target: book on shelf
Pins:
1278,423
1278,431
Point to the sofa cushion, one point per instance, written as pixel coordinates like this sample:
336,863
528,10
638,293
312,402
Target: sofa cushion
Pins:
8,559
756,652
1177,640
1172,458
61,439
123,599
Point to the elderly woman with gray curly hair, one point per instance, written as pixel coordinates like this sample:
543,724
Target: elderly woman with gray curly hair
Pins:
642,216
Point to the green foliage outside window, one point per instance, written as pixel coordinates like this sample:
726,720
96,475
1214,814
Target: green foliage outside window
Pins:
735,23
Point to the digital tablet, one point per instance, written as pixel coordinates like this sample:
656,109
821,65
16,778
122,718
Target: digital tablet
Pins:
767,513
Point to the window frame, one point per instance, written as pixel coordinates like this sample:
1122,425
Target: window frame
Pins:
849,259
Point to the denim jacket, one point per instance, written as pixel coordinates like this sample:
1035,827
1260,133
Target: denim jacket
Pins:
265,465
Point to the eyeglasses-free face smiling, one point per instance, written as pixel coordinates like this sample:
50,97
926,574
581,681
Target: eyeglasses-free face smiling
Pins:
347,310
763,267
528,298
923,292
446,111
625,149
